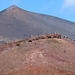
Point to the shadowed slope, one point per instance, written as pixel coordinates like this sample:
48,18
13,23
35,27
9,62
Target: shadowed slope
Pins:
18,23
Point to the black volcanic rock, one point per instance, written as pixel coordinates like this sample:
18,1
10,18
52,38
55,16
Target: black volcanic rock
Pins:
18,23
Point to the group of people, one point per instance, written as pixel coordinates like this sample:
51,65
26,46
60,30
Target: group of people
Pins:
53,33
47,34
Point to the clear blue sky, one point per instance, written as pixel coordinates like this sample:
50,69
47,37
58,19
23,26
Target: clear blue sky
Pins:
60,8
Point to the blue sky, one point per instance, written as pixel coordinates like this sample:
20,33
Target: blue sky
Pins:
60,8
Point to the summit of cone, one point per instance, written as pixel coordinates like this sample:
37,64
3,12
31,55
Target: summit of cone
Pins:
12,9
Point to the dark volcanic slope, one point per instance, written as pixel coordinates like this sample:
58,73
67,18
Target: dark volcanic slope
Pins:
18,23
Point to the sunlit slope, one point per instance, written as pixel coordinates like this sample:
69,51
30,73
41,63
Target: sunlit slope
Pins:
40,57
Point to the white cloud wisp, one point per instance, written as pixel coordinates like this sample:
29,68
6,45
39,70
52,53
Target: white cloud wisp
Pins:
69,3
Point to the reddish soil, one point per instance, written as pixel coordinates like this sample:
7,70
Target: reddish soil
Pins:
48,56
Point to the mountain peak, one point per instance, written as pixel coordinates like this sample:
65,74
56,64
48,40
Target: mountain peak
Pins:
12,7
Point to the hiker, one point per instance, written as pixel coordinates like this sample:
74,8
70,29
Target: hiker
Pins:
31,35
55,32
66,37
38,34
